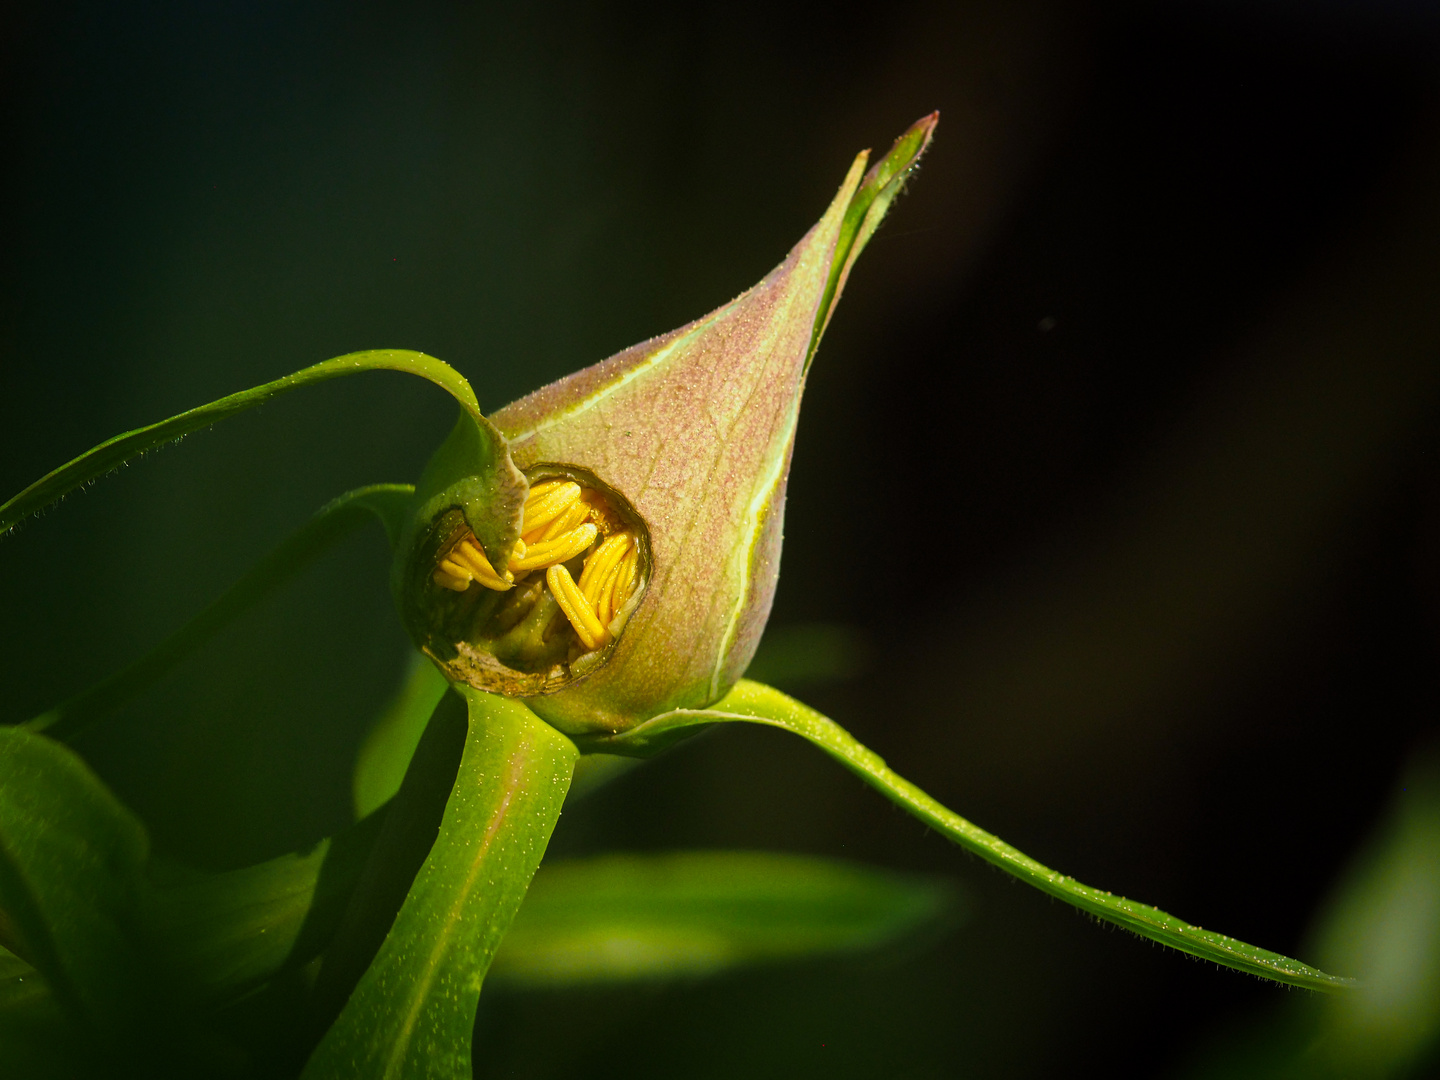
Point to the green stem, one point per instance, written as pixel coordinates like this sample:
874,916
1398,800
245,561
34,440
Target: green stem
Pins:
114,452
759,704
413,1011
331,524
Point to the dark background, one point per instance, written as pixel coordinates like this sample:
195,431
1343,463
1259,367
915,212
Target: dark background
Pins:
1120,454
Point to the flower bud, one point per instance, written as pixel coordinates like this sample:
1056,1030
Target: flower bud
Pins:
662,471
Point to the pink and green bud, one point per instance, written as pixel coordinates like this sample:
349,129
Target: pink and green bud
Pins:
681,445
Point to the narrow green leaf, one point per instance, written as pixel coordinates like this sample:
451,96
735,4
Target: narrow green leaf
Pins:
72,893
332,523
112,453
625,917
412,1013
390,743
758,704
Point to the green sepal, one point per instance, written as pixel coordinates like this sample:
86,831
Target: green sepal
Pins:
472,473
882,182
756,703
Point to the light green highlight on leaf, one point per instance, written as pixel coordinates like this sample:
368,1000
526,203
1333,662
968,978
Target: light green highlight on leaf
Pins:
414,1009
112,453
619,918
390,743
336,520
755,703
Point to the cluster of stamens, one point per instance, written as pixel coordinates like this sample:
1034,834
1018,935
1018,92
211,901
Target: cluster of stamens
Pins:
560,522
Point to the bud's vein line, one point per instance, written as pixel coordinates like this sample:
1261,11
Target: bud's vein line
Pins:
658,357
742,557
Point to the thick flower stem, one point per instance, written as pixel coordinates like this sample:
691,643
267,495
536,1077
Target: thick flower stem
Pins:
412,1013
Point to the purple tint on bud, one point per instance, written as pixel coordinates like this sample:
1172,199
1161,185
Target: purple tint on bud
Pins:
695,428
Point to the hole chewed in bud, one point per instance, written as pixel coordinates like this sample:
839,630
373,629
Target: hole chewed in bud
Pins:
552,613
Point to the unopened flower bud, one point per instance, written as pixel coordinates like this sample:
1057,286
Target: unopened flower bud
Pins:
642,561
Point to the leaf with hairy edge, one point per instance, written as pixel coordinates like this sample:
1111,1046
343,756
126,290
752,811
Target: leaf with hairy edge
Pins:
619,918
413,1010
332,523
112,453
755,703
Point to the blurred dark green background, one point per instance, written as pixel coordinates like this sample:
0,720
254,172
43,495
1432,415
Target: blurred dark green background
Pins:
1120,456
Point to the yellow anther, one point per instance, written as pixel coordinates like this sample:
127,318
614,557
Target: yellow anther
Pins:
469,554
600,563
574,515
451,581
625,578
577,609
562,549
457,570
539,512
561,521
543,487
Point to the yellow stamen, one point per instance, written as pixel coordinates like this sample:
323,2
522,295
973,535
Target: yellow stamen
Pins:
625,578
540,512
577,609
468,553
605,597
451,581
562,549
543,487
575,515
601,562
561,521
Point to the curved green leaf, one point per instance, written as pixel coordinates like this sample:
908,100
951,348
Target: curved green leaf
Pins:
413,1011
758,704
114,452
618,918
332,523
73,897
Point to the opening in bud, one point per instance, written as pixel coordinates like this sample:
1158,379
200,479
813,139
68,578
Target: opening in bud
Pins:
554,611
